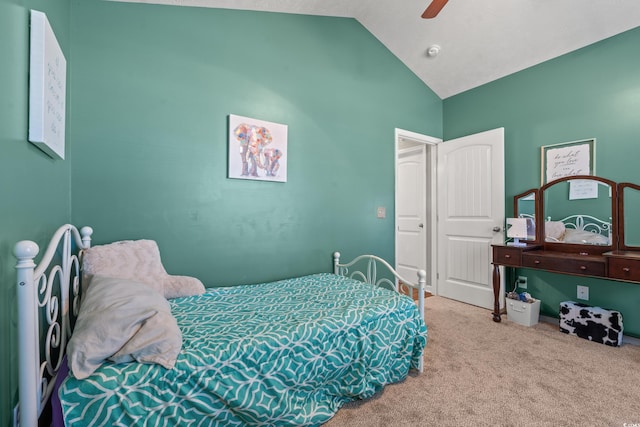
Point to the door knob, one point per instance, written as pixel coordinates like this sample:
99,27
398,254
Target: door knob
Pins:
496,228
421,225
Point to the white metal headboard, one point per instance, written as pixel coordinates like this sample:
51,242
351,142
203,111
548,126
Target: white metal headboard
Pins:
588,223
370,276
35,293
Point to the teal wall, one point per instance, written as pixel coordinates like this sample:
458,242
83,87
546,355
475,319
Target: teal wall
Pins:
590,93
149,92
152,87
34,189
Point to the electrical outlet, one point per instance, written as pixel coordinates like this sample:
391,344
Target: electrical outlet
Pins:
583,293
381,212
16,415
522,282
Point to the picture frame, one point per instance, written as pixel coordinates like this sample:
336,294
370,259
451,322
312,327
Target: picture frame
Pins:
47,88
257,149
568,159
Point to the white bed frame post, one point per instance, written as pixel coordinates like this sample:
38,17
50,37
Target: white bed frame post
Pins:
33,283
422,283
28,336
336,263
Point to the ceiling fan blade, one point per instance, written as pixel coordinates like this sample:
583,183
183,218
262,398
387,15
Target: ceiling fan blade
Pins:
434,8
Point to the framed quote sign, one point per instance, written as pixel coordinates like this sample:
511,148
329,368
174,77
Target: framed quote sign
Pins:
568,159
47,88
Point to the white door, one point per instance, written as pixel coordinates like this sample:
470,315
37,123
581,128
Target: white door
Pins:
411,232
415,204
470,215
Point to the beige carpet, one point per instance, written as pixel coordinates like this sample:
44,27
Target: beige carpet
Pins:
481,373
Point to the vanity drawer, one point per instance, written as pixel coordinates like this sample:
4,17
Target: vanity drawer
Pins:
624,269
569,265
509,256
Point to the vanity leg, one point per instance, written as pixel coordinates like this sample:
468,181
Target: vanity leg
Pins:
496,293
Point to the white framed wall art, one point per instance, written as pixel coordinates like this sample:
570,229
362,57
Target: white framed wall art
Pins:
47,88
257,149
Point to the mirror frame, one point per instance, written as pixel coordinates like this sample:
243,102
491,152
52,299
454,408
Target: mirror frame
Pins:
573,247
621,242
536,195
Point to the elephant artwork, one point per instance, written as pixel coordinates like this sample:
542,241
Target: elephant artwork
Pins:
261,154
252,141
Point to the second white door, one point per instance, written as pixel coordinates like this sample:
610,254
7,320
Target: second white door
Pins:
411,238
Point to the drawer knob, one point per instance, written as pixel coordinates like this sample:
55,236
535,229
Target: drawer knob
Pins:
583,267
626,269
507,256
536,261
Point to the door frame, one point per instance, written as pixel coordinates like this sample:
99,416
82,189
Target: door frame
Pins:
430,143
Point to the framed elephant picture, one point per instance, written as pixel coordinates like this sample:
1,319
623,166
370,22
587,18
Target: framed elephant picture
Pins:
257,149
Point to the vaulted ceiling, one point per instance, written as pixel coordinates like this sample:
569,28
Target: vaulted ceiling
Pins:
479,40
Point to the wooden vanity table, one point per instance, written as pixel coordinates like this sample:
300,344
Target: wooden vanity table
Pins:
594,242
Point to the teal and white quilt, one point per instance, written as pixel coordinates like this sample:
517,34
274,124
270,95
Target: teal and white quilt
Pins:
290,352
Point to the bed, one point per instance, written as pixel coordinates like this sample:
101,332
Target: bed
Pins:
579,229
289,352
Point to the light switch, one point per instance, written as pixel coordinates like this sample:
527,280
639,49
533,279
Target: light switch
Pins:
382,212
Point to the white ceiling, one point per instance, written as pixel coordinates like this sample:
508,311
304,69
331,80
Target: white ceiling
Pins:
480,40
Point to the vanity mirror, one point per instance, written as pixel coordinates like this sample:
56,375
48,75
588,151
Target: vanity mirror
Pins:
579,214
525,205
628,208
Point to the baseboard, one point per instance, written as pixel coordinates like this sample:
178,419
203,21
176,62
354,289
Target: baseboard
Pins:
555,321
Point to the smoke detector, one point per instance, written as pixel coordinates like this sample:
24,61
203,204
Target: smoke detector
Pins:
433,51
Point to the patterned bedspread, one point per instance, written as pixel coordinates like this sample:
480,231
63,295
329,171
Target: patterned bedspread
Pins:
290,352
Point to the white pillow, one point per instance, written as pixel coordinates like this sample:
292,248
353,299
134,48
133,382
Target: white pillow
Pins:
137,260
122,321
554,231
